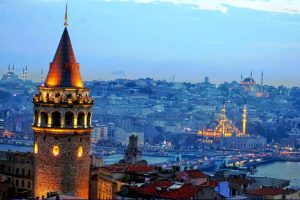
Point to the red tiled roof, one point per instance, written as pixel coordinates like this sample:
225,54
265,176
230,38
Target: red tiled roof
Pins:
184,192
240,181
195,174
140,168
151,189
266,191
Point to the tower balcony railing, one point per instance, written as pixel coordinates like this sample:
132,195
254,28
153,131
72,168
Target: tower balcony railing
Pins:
66,101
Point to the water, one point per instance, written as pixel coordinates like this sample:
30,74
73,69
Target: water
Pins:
283,170
150,159
107,159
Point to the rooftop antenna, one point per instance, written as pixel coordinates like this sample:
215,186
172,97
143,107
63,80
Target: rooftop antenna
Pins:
66,16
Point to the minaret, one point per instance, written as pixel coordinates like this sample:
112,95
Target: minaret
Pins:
23,75
251,74
262,82
26,74
8,68
42,76
244,119
62,127
223,118
13,68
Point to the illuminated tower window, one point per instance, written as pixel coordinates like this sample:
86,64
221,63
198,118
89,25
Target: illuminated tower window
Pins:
36,148
80,151
55,150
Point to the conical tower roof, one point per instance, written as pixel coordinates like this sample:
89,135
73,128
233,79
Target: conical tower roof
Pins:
64,70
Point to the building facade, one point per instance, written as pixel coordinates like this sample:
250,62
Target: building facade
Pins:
62,127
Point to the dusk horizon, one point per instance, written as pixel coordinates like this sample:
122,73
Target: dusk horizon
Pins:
157,39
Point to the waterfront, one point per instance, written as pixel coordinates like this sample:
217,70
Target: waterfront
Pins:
282,170
288,170
150,159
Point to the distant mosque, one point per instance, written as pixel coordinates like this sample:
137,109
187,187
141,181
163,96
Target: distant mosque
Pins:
224,127
250,87
11,76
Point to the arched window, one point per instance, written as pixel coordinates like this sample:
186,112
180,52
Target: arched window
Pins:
36,148
80,152
69,118
89,119
44,118
36,117
56,119
80,119
55,150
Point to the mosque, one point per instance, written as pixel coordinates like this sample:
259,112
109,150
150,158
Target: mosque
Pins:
224,127
250,87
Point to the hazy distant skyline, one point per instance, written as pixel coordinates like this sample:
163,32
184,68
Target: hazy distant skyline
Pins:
187,39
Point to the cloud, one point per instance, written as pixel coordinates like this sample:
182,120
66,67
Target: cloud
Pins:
278,6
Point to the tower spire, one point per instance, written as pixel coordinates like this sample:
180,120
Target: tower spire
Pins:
66,16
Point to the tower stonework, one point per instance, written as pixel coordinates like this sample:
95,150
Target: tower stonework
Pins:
62,127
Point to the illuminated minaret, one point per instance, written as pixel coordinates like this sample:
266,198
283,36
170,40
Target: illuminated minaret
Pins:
223,118
244,119
62,127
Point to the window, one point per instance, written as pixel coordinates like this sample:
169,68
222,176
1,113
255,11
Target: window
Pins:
29,172
69,118
80,152
36,148
55,150
17,171
17,182
36,117
23,183
29,184
80,119
23,172
56,119
44,118
89,119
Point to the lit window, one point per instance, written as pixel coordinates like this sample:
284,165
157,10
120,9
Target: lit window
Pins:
80,151
55,150
36,148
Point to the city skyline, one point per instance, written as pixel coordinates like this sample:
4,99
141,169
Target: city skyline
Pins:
139,39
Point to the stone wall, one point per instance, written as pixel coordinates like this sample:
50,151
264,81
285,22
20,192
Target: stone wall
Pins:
67,173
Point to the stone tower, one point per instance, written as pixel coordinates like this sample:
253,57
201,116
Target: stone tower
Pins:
132,154
62,127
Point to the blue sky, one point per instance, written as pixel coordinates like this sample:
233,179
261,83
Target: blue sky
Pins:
188,39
